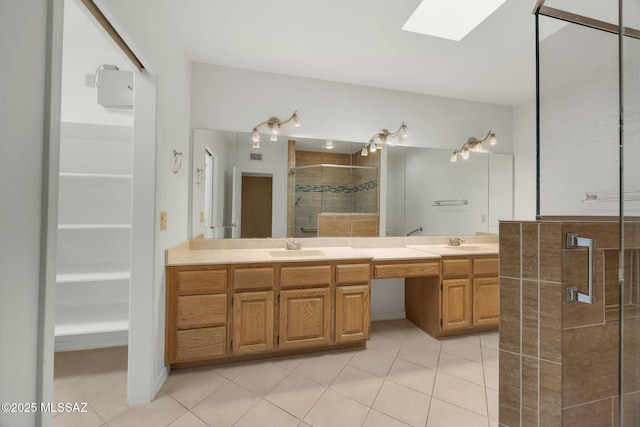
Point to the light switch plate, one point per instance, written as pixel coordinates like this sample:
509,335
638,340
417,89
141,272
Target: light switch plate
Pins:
163,221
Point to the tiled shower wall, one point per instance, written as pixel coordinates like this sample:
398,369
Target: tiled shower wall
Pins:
559,360
333,190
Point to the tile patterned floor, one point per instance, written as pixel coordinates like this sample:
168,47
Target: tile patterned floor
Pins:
403,378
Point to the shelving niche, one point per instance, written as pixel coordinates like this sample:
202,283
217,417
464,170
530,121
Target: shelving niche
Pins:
94,236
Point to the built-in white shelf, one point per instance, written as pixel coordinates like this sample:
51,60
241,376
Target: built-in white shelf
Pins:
106,176
93,277
94,236
94,226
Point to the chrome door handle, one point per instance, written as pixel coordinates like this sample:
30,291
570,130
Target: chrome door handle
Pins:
572,294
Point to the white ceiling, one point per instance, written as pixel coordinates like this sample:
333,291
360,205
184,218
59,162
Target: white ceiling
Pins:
361,42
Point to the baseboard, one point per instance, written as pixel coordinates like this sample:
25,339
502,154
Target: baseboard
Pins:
162,377
91,340
375,317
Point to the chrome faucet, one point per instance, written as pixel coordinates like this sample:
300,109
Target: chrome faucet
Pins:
294,245
455,241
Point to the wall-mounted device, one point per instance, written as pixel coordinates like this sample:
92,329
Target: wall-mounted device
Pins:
115,87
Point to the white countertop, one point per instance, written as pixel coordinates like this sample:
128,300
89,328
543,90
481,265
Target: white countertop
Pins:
185,256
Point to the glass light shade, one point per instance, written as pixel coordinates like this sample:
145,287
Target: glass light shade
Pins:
465,153
454,157
255,136
275,128
274,137
372,147
256,144
296,120
364,151
492,139
404,133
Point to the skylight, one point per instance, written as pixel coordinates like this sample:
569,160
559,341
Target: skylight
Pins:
450,19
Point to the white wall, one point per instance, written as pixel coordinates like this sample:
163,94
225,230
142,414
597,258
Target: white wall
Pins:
23,37
157,44
524,161
234,99
85,48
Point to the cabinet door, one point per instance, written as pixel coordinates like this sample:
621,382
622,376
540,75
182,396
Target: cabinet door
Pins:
456,304
352,313
486,301
305,318
253,322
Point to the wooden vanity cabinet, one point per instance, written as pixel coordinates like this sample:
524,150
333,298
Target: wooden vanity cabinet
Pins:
244,310
353,297
253,305
469,293
197,318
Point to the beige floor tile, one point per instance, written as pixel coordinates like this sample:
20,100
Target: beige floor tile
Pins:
413,376
64,391
232,370
493,423
470,339
378,419
76,364
419,354
417,337
264,414
262,378
360,386
402,403
460,348
460,393
289,363
372,362
384,345
491,377
303,424
343,356
78,419
191,386
493,404
226,406
296,395
490,357
106,393
490,339
320,368
392,329
162,411
461,368
443,414
333,409
188,420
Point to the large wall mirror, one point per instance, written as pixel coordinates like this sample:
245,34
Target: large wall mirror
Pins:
300,187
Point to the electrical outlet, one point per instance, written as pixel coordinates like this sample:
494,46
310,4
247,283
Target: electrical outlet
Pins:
163,221
90,80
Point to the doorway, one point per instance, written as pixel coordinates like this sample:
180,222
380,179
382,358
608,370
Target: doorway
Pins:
257,196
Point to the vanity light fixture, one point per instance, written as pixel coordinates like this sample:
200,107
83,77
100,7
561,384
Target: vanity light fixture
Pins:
472,143
385,136
329,145
274,125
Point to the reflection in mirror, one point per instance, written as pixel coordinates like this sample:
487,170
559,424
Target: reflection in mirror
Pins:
214,158
333,189
429,195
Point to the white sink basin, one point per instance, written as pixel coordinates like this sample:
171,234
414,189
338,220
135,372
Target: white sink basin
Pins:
296,254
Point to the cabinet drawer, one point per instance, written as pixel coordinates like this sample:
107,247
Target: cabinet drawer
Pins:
204,343
193,282
303,276
456,267
201,310
406,270
485,267
352,273
254,278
